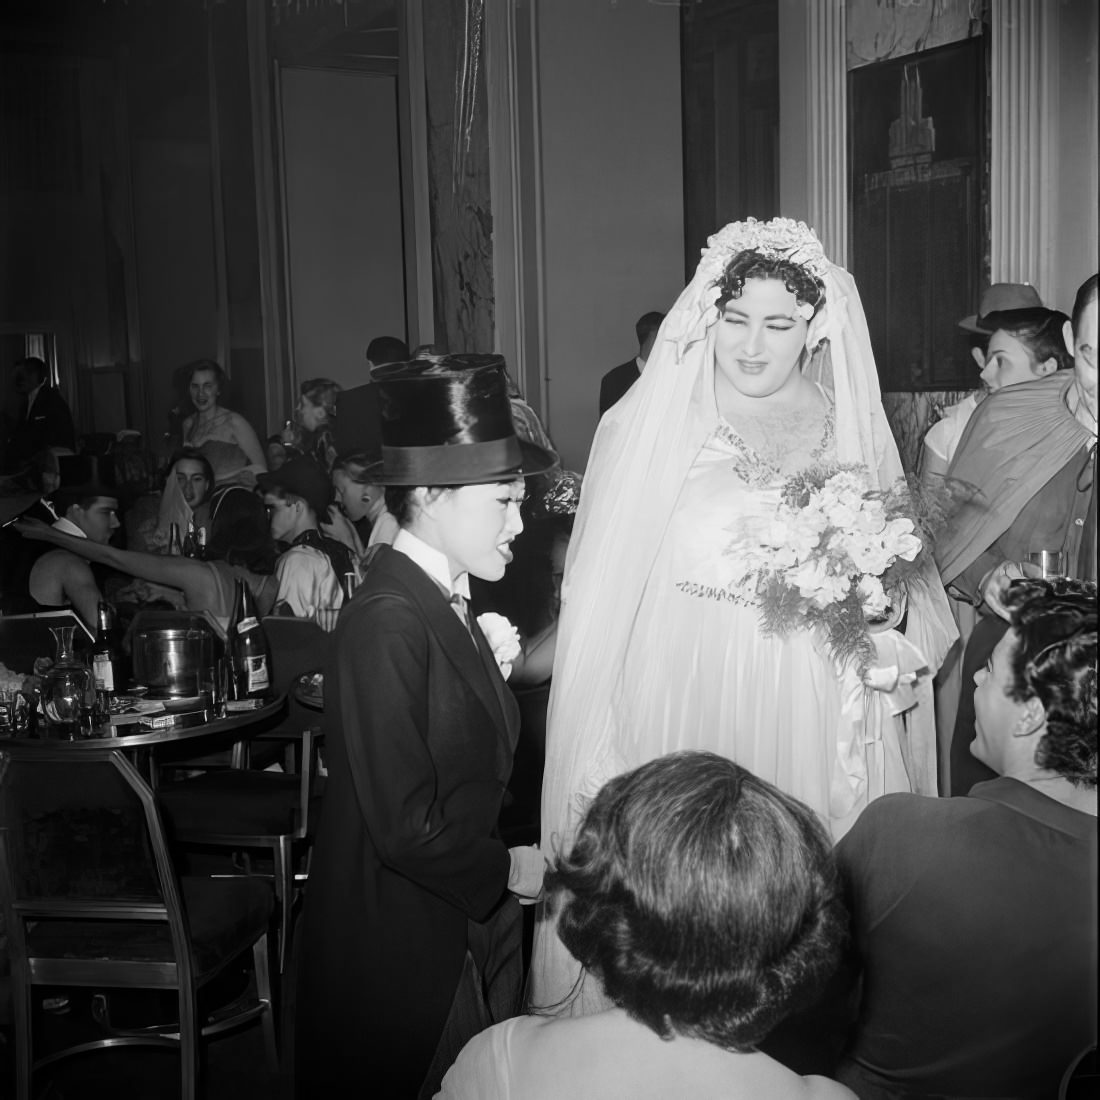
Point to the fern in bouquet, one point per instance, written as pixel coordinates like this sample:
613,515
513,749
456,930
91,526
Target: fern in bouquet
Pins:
835,556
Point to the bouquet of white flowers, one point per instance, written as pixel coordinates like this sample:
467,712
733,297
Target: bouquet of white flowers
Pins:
834,556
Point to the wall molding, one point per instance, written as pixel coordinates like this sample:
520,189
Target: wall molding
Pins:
827,125
515,175
1023,154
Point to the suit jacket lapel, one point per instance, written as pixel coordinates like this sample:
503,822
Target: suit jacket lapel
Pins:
507,703
463,651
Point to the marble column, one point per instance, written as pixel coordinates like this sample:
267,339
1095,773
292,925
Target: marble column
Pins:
458,175
1024,119
827,125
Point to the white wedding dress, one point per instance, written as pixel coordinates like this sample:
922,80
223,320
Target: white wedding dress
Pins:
701,674
656,651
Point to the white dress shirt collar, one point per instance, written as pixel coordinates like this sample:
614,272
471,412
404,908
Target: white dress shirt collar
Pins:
67,527
433,562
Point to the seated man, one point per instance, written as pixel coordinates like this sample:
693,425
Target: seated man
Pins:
311,571
86,508
974,918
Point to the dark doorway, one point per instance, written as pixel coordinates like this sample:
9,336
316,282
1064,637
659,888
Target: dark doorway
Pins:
730,63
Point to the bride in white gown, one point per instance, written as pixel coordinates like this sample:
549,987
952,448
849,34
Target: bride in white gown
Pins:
762,369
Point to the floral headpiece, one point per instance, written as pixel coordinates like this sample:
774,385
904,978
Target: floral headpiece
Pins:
781,238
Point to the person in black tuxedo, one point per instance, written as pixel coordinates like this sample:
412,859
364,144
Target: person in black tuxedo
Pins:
43,419
411,937
619,379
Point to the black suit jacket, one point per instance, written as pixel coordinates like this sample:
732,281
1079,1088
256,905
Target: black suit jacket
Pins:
50,425
616,382
419,754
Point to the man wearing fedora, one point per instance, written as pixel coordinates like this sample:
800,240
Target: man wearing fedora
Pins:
86,505
411,934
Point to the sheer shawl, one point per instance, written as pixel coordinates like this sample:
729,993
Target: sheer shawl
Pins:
641,454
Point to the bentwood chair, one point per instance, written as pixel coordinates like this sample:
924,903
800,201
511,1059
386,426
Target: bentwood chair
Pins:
91,899
245,809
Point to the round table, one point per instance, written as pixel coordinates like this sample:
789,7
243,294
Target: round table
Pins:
233,729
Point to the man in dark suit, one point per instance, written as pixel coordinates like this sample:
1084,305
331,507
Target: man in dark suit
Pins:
43,419
619,379
410,936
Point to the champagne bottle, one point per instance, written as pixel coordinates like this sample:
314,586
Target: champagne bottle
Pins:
190,543
106,661
247,648
175,546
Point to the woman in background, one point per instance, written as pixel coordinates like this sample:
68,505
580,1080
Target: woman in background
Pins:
1024,344
224,437
314,416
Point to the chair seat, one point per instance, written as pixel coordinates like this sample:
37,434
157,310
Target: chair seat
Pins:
235,802
224,917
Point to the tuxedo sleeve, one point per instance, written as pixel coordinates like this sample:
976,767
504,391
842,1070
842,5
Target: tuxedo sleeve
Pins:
421,825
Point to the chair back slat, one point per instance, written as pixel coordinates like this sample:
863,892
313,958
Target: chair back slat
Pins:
82,839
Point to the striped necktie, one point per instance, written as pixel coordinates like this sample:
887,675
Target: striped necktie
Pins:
462,610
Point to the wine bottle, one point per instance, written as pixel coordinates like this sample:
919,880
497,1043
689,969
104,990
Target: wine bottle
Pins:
190,544
106,661
200,544
175,546
247,647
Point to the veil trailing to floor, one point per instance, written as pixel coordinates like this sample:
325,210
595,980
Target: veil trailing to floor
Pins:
641,455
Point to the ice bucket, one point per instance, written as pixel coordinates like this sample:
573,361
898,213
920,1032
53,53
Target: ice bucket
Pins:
170,661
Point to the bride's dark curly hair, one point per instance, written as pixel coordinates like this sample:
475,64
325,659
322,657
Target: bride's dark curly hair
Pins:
703,898
803,284
1054,660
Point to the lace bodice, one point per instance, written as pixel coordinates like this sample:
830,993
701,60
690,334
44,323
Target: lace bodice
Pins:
789,449
729,482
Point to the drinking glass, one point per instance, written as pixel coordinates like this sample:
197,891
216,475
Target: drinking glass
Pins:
1051,562
215,686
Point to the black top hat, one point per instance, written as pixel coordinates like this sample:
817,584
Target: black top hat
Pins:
89,475
448,421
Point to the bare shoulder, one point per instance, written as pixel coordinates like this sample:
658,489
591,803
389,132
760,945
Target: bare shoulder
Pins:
239,424
824,1088
61,564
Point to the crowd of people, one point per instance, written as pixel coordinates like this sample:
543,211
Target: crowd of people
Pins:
757,790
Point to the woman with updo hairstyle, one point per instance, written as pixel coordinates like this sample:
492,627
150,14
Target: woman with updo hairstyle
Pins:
706,901
227,441
762,372
314,417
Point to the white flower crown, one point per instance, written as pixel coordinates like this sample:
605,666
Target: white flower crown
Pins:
782,238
